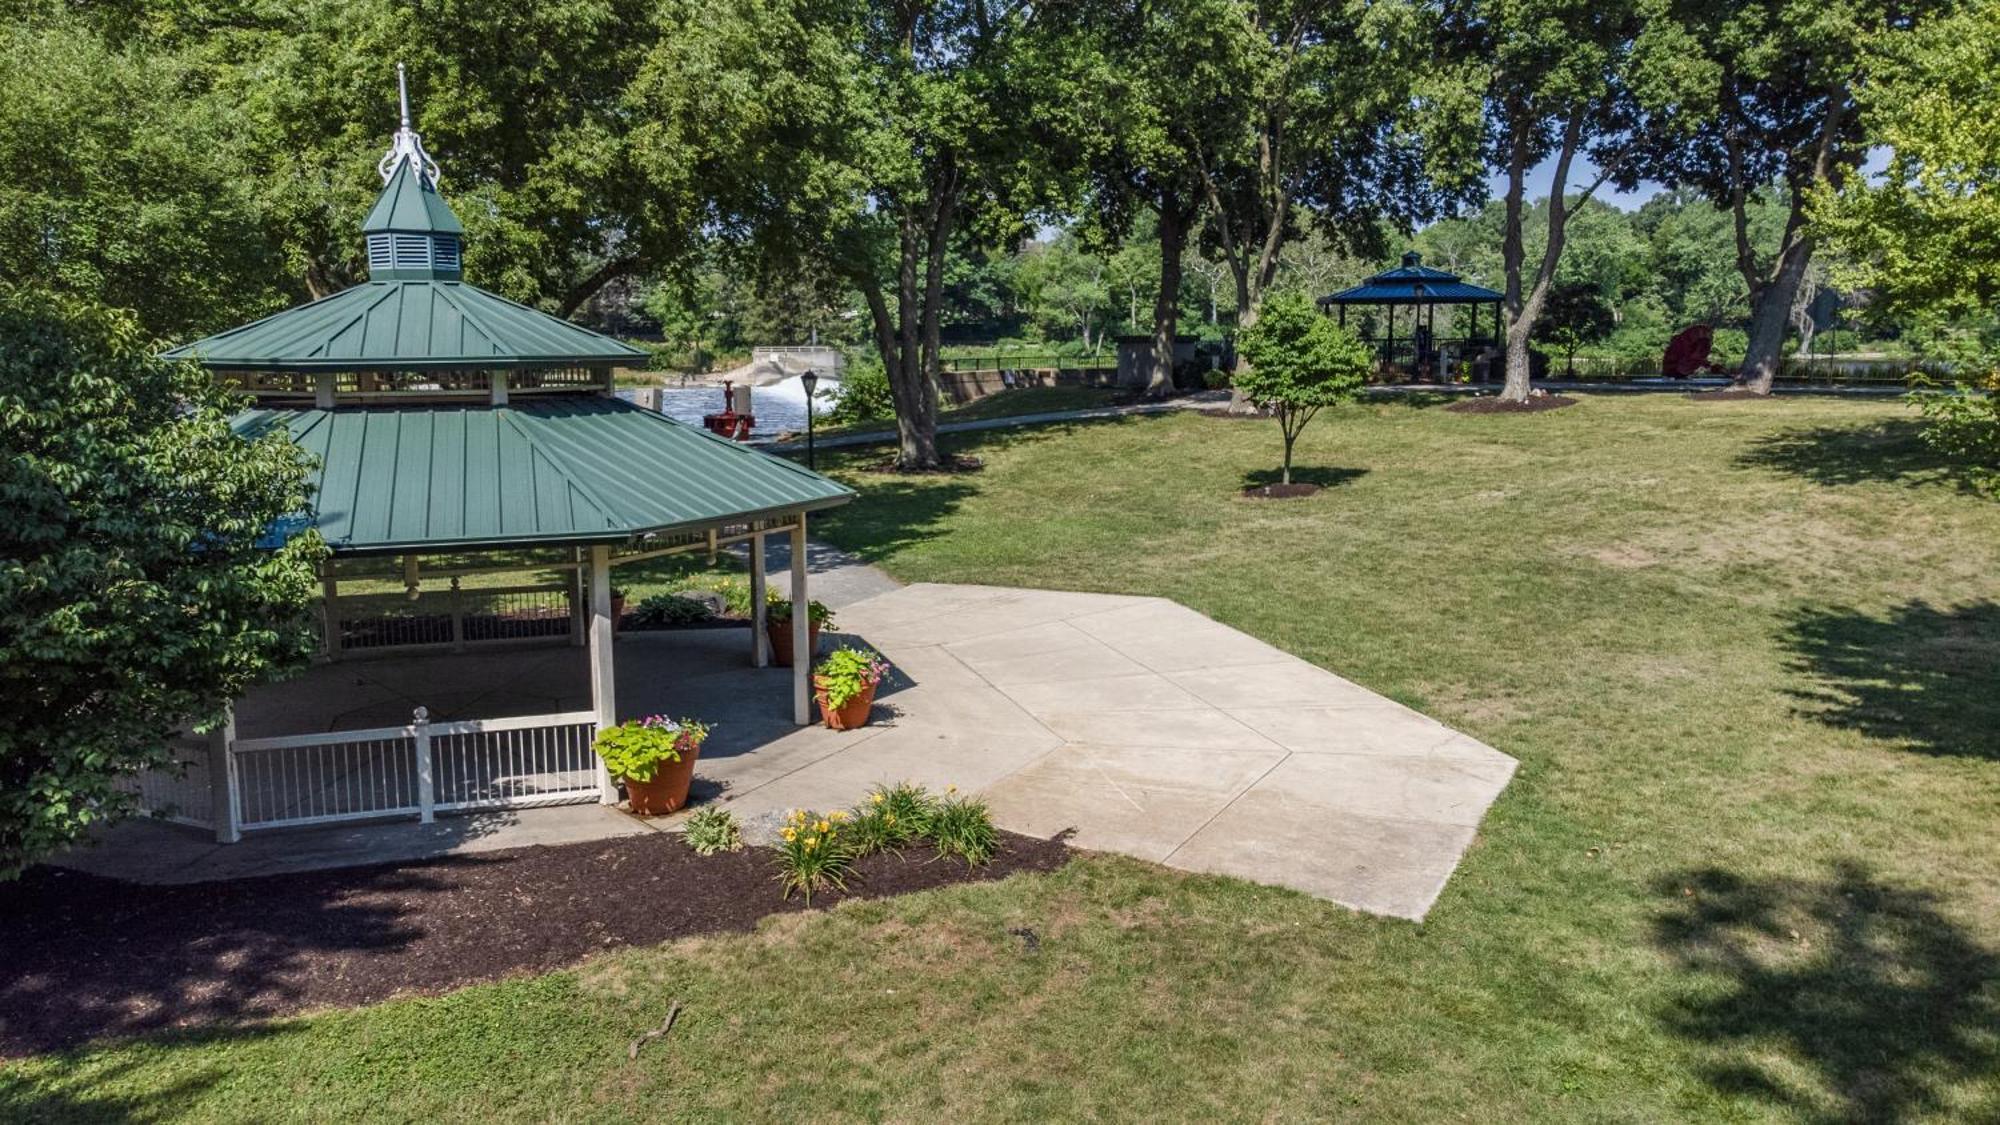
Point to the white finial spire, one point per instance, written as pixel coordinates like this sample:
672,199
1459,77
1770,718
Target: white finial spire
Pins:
406,145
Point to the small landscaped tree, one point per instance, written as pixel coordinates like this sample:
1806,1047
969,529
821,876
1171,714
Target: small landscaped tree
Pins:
134,595
1300,362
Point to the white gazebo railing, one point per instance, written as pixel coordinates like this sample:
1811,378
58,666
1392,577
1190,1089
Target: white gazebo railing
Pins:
416,770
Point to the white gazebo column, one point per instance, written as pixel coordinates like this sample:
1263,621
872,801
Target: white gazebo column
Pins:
603,683
802,653
225,801
760,642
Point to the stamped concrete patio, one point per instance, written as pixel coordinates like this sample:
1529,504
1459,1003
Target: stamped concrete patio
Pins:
1134,724
1143,727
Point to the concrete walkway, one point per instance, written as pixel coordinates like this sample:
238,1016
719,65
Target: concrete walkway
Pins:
1143,727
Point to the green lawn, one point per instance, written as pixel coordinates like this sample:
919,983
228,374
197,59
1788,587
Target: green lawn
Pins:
1747,655
1006,404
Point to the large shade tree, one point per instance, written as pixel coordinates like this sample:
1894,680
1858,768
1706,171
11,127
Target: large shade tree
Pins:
116,186
1749,101
1346,125
135,596
872,137
1550,74
1168,82
523,104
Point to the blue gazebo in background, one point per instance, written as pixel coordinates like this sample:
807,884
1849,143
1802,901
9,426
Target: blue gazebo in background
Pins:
1418,351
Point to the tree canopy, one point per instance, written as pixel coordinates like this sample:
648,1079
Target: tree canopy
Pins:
137,592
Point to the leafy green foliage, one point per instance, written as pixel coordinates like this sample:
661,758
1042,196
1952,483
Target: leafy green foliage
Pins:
814,852
962,828
779,611
636,748
134,596
712,829
1300,362
118,188
1964,425
846,673
1575,314
864,393
670,609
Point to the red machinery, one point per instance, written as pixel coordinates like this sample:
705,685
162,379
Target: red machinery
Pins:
729,423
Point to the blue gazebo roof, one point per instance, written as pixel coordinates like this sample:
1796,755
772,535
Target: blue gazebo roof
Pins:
1412,283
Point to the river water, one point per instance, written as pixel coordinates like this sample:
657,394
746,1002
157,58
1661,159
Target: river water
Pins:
779,408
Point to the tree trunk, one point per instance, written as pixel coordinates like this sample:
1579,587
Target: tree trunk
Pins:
1524,300
1167,305
1772,314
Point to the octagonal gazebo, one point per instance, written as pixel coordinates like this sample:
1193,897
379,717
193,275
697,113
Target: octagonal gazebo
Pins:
1419,351
460,434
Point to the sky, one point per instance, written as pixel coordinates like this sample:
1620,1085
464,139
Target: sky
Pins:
1581,172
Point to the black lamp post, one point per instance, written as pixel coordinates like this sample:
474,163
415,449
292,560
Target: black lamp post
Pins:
809,380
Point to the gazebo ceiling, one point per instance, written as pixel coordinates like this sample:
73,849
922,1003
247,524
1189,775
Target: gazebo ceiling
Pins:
556,470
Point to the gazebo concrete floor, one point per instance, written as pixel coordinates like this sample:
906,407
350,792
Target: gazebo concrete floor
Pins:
1134,724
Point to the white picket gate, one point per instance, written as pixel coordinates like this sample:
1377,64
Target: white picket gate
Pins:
419,769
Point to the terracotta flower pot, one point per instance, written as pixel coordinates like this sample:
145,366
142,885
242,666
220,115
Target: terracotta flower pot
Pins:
668,790
851,715
781,642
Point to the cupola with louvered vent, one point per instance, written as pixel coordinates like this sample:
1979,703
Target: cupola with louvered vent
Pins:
412,234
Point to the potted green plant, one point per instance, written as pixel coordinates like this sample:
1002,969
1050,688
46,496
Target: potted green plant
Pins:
778,627
845,684
654,758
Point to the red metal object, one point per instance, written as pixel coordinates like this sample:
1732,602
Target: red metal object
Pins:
728,423
1687,353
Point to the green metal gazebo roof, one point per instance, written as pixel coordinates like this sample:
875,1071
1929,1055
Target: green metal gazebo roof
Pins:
568,470
410,202
417,325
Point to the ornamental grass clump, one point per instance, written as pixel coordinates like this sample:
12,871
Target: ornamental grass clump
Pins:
847,673
712,829
962,828
814,852
891,817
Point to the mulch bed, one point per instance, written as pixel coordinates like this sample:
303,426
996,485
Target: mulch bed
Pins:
1280,491
87,956
1487,404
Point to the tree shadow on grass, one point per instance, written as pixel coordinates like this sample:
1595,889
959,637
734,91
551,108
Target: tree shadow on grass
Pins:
894,513
1878,1001
75,1087
1890,451
1920,676
1324,477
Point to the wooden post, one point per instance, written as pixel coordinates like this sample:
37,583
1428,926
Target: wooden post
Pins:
603,685
760,613
323,390
225,798
457,616
420,724
496,385
802,653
